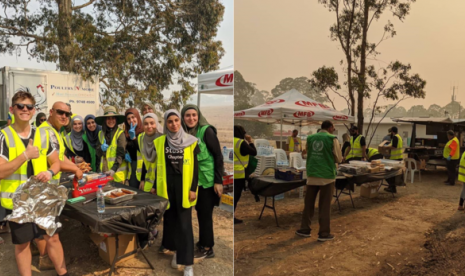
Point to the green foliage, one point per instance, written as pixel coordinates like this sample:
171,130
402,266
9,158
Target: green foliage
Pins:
302,85
137,48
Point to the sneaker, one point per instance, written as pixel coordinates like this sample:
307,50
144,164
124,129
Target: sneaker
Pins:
204,253
174,264
325,238
163,250
45,263
303,233
189,271
238,221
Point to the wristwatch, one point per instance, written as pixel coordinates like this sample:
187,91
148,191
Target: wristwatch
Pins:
53,174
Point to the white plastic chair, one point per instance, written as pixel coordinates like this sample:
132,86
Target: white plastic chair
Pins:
296,160
280,155
262,143
412,168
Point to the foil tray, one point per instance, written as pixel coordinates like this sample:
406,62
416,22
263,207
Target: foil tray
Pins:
120,198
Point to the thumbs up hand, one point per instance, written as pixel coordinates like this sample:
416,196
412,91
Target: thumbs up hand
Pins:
104,145
32,152
132,131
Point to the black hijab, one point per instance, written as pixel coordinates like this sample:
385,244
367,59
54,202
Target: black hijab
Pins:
239,132
40,116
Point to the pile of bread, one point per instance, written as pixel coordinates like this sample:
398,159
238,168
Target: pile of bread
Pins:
376,166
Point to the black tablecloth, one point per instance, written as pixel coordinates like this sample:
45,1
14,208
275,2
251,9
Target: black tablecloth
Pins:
149,211
269,186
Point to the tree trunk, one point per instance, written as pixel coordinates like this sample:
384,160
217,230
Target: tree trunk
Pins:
65,45
361,76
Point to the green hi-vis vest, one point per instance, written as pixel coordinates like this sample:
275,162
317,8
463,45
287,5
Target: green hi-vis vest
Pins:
372,152
110,155
140,164
396,154
206,161
291,143
43,140
462,169
355,148
447,150
151,167
240,161
320,158
187,172
9,184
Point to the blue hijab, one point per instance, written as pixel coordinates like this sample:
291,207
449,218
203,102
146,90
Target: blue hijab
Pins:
92,136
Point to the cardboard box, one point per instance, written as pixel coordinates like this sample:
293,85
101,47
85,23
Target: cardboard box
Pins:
107,247
369,190
385,152
421,164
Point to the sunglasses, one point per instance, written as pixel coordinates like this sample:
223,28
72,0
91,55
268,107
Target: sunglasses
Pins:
62,112
21,106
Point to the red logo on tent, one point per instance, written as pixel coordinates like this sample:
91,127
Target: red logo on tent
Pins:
265,113
77,87
340,118
303,114
310,104
239,114
275,101
225,80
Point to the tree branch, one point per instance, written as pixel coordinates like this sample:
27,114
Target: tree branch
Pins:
83,5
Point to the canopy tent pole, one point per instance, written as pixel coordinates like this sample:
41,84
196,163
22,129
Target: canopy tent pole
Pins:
281,138
198,99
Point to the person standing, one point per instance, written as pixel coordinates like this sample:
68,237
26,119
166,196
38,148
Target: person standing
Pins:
177,180
323,153
462,179
148,107
132,129
74,141
211,170
40,118
243,147
111,146
396,148
18,151
345,142
147,151
357,148
91,139
294,143
452,155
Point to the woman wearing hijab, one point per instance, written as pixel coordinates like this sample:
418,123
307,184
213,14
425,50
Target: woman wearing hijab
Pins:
211,170
91,139
177,181
132,129
147,150
148,107
243,147
40,118
74,141
111,146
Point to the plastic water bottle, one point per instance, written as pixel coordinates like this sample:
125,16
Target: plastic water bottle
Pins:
225,152
100,200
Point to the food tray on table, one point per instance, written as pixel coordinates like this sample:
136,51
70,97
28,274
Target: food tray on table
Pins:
118,195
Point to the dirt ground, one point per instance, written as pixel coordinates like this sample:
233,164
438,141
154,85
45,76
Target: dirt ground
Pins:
419,232
82,257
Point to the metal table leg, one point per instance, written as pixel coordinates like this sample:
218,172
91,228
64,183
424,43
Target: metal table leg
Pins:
270,207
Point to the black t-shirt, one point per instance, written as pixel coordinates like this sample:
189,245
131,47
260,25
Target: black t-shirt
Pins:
174,160
395,141
345,146
5,151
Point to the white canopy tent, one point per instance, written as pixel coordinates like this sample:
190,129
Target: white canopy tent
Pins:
293,108
219,82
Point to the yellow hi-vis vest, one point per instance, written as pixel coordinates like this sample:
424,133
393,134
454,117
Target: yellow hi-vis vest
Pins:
150,167
355,148
291,143
187,172
397,153
140,163
68,142
462,169
9,185
240,161
42,141
372,152
12,117
447,149
110,155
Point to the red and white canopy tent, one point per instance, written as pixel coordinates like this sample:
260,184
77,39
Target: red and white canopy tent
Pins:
219,82
293,108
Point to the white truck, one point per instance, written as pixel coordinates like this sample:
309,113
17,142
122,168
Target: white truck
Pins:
48,87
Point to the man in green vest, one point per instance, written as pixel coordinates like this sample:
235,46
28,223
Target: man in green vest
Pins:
17,155
397,150
323,153
452,155
357,148
294,143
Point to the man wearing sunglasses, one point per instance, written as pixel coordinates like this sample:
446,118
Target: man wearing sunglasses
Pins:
59,116
18,153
